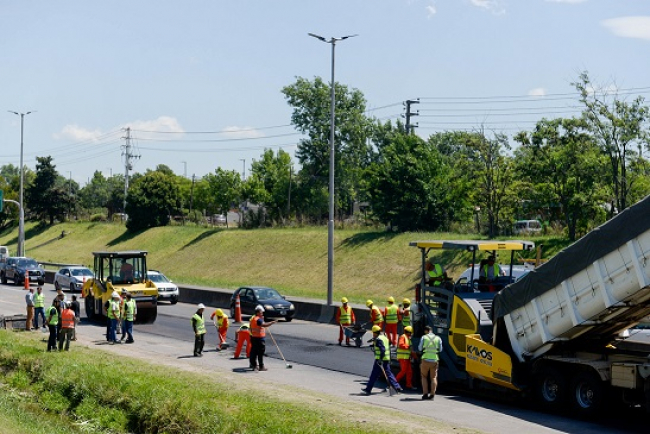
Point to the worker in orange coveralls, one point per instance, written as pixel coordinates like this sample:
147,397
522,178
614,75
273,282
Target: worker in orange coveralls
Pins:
376,316
243,337
345,317
221,323
404,353
392,317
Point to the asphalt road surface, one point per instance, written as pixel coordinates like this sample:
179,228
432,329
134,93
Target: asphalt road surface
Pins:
315,345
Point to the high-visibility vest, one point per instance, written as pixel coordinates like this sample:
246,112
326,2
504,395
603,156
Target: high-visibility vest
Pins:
114,306
256,330
436,272
431,346
200,324
486,270
222,322
245,327
379,318
39,300
54,316
130,310
406,317
384,339
391,314
67,319
404,353
346,315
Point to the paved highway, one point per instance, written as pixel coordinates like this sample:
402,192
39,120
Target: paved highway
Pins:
310,346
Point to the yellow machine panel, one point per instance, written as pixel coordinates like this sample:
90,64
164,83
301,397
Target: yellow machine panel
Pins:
488,363
463,322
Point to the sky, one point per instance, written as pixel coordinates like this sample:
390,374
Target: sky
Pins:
199,82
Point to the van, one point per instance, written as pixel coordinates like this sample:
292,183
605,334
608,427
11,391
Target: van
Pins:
4,252
527,227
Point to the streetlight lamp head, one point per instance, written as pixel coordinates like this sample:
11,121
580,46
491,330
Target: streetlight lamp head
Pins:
349,36
313,35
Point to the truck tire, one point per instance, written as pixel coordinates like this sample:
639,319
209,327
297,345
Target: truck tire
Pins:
90,307
4,279
551,388
587,393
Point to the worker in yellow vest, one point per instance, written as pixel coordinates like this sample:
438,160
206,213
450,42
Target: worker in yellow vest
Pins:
221,323
381,366
405,313
376,317
130,313
404,354
391,316
198,324
52,319
113,312
345,317
39,307
430,346
243,336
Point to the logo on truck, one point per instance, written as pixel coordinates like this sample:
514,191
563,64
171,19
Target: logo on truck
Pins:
479,355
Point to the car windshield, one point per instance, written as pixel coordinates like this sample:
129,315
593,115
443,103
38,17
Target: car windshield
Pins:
158,278
267,294
27,263
79,272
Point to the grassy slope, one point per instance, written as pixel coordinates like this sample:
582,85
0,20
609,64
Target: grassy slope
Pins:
367,264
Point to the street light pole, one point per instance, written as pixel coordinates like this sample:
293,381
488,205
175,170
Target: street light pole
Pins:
330,223
21,219
243,160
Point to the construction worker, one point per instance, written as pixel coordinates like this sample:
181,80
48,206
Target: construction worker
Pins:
405,313
345,317
221,323
74,305
430,346
391,316
376,317
122,313
243,336
381,366
258,335
67,326
437,275
404,354
130,312
39,307
29,302
114,317
490,271
52,319
199,330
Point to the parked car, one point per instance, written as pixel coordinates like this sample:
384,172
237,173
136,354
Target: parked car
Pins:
527,227
72,278
167,290
13,268
518,271
218,219
275,305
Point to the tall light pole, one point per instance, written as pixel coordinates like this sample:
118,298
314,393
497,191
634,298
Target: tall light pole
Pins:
243,176
330,224
69,193
21,219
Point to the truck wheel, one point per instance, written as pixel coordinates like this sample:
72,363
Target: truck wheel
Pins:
4,279
551,388
90,307
587,393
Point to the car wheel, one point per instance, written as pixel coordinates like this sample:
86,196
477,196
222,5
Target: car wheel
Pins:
72,288
232,311
41,282
288,318
56,285
4,279
174,300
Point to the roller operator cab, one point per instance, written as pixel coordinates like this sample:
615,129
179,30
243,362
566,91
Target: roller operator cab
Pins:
115,271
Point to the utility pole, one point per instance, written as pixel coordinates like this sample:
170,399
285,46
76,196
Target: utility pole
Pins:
128,157
192,194
243,176
409,113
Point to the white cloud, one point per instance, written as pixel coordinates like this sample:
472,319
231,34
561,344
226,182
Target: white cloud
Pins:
629,27
242,132
431,10
566,1
494,6
162,124
78,134
538,91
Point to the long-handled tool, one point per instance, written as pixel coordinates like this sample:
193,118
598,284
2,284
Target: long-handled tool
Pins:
287,365
391,389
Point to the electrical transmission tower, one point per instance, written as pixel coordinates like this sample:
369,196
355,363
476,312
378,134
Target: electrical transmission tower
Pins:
128,158
409,114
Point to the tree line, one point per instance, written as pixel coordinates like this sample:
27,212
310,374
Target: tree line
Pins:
571,173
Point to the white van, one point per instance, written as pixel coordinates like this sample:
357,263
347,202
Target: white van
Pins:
4,252
527,227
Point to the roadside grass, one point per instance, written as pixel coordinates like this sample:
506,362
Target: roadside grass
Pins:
367,264
92,391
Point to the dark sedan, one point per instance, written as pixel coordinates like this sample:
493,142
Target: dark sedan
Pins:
274,304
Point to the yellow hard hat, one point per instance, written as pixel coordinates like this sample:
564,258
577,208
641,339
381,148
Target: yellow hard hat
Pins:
408,329
391,300
369,303
406,301
344,300
219,312
376,329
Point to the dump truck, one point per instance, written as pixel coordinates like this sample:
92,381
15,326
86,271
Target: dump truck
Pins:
117,271
562,334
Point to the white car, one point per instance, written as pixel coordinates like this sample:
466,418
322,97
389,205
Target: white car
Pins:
72,278
167,290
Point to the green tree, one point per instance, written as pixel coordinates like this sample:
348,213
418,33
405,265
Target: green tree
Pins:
153,197
562,164
220,191
45,199
273,173
311,103
619,128
96,193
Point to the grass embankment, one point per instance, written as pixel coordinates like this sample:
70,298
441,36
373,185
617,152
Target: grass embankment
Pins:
367,264
79,392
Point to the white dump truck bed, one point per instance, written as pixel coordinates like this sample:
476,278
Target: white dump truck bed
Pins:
587,294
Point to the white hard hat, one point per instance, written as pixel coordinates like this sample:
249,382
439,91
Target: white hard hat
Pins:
115,295
259,308
201,306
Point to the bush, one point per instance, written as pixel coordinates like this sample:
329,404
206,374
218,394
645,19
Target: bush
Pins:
98,218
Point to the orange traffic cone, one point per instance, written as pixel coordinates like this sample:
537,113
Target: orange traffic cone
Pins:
237,309
26,282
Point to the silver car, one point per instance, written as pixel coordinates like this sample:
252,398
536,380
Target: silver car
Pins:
167,290
72,278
